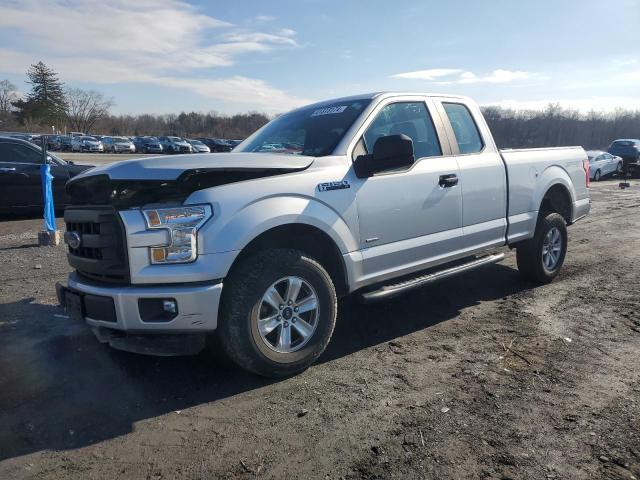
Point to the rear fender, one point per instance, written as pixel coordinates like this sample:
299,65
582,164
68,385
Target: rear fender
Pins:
553,175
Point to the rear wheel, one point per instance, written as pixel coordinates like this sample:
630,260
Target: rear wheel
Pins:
619,168
540,258
278,312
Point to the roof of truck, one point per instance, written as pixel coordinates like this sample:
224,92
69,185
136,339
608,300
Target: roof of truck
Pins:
371,96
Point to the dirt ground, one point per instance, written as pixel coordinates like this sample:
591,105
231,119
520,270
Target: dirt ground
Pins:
484,376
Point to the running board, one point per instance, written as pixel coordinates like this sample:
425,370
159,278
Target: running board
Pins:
389,291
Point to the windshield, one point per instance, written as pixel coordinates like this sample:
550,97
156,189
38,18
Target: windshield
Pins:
150,140
175,139
120,139
313,131
90,139
196,142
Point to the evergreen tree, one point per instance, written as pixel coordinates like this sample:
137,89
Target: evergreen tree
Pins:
46,102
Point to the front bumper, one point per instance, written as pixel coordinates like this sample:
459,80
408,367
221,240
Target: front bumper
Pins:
197,306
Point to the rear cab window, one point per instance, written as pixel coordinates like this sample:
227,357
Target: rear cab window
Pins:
467,134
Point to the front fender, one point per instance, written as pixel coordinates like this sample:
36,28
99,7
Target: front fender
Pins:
258,217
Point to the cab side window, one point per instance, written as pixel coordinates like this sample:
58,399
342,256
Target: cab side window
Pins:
15,153
464,127
409,118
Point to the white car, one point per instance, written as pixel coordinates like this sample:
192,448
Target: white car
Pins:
198,146
118,145
602,164
86,144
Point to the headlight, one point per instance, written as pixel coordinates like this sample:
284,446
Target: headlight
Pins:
183,224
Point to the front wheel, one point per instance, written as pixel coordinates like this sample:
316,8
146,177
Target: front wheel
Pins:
540,258
278,310
597,176
619,168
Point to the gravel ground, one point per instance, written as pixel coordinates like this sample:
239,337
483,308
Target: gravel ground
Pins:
480,376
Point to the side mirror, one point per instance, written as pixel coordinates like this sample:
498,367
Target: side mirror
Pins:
389,153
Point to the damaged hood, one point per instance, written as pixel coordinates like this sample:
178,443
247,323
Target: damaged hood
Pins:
172,167
134,183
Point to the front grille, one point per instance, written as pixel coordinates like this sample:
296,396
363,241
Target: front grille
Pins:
101,255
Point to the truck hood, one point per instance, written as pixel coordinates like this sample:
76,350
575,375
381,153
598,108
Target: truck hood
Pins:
171,168
134,183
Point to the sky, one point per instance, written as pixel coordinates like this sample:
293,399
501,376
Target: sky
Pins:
168,56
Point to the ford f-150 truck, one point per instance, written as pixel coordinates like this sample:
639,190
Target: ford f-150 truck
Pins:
372,195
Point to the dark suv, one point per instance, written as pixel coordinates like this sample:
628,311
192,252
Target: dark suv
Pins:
147,145
629,150
216,144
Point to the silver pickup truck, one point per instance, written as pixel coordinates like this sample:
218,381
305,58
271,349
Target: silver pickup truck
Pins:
371,195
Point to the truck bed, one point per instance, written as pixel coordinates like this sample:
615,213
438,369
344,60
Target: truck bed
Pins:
530,172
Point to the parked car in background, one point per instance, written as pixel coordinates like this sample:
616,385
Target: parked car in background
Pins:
147,145
118,145
235,143
602,164
20,181
629,150
22,136
76,134
65,143
54,142
197,146
86,144
217,144
174,145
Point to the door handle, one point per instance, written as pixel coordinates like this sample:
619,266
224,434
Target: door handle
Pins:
449,180
7,170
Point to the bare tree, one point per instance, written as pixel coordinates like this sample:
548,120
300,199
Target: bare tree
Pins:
8,95
85,108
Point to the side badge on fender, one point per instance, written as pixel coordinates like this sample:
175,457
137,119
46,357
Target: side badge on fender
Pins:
326,186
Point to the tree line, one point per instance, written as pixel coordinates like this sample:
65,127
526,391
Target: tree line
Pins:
51,103
556,127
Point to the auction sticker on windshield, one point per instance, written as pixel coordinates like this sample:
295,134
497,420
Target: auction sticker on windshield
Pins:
329,110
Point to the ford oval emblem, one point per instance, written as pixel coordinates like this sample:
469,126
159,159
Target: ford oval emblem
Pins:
73,239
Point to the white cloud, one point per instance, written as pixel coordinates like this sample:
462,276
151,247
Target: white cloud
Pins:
632,76
497,76
431,74
450,76
603,104
265,18
159,42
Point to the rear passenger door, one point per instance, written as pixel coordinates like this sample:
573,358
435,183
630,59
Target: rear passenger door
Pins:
483,179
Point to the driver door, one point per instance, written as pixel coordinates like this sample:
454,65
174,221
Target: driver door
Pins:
410,219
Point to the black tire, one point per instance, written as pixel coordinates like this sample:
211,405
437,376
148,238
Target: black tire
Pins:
619,169
529,254
241,302
597,176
